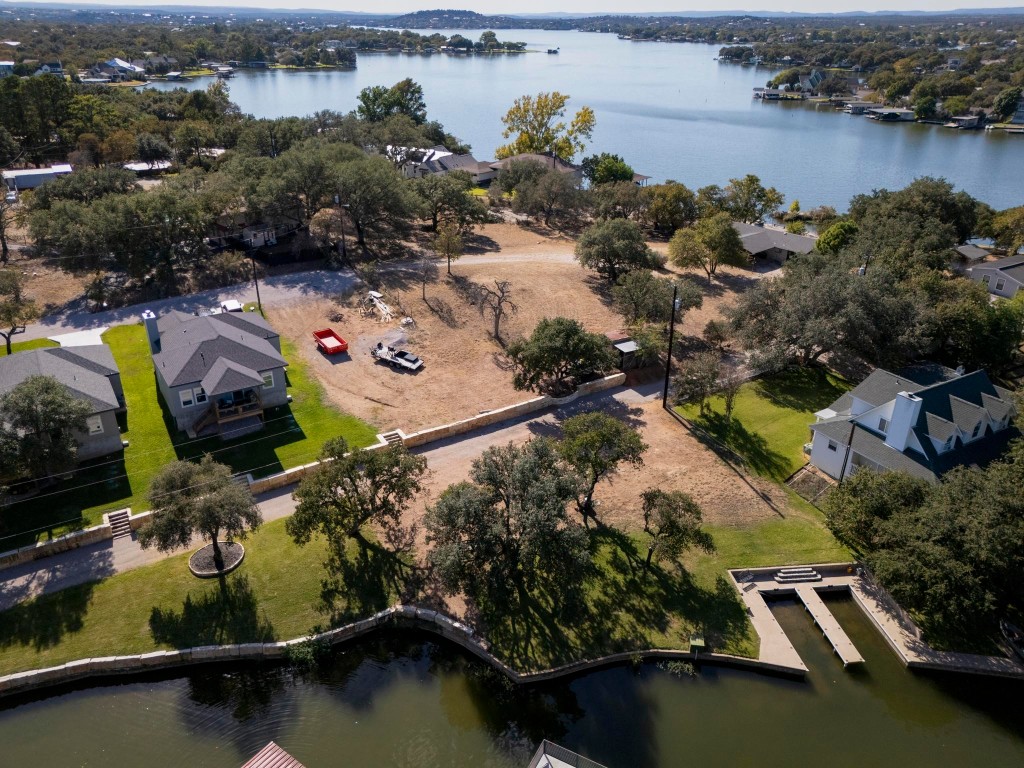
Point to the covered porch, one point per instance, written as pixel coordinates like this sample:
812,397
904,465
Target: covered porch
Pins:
236,405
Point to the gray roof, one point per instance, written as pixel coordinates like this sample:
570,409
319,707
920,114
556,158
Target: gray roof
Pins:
948,402
878,388
971,252
83,370
226,376
190,348
250,322
757,239
1011,266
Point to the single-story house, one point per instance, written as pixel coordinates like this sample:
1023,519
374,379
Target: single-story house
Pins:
924,421
90,374
6,68
771,243
217,371
549,161
1002,278
30,178
481,173
967,255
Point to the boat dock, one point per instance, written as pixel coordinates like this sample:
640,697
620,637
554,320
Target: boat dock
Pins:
826,622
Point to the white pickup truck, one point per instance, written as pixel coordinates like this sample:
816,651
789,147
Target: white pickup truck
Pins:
396,358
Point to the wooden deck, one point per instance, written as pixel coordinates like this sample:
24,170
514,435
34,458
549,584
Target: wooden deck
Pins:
843,646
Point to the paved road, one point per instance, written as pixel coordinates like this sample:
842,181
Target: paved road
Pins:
448,458
276,291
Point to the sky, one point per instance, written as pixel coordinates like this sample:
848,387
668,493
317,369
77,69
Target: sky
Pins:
587,6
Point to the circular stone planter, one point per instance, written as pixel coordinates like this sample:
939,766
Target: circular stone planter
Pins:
201,562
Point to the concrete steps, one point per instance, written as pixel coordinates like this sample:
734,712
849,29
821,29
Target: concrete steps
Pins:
796,575
392,438
119,524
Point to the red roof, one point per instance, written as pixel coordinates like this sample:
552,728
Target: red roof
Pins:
272,756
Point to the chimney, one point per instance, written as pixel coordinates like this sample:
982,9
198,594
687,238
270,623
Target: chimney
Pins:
149,321
905,411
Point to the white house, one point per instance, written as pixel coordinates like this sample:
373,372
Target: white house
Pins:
924,421
1002,278
6,68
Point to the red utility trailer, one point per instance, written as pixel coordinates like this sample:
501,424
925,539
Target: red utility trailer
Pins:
329,342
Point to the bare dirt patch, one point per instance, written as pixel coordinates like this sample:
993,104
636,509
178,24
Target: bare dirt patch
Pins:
47,284
463,372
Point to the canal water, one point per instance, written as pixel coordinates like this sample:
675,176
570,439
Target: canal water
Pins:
408,701
669,109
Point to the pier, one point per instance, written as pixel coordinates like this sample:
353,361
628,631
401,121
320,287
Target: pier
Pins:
826,622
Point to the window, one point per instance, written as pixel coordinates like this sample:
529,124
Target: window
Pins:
95,425
1000,283
977,430
883,425
833,445
191,397
986,279
268,380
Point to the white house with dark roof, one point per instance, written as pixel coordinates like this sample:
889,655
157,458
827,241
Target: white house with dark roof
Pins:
89,373
217,373
771,243
924,421
1002,278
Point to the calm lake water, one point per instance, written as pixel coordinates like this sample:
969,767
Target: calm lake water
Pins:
670,110
408,702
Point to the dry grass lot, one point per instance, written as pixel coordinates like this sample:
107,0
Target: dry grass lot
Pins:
463,373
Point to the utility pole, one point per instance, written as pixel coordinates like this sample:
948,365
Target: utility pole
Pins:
671,336
255,279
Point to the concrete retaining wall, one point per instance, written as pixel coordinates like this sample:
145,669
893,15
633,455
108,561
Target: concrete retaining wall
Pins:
400,615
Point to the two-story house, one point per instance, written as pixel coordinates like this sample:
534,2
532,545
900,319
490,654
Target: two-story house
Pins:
217,373
924,421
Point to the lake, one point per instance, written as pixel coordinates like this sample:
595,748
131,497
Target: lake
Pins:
408,701
669,109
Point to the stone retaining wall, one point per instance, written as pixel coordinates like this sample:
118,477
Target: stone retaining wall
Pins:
400,615
433,434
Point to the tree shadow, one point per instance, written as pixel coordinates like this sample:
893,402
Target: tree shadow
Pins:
444,311
368,577
228,615
42,623
751,446
800,389
621,607
630,415
476,243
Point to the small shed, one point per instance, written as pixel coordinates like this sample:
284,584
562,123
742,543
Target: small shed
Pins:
626,349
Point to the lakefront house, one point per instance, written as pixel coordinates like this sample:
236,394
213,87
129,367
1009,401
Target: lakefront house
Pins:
924,421
217,372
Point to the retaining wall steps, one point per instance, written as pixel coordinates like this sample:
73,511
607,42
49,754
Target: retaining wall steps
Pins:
120,523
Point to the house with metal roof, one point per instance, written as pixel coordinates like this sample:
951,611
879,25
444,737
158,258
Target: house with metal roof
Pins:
1002,278
924,421
89,373
218,371
771,243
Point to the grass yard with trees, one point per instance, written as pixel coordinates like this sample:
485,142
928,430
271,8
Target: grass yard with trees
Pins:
770,418
293,436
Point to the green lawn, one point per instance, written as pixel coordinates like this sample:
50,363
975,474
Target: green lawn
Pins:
22,346
771,418
273,595
277,594
293,436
